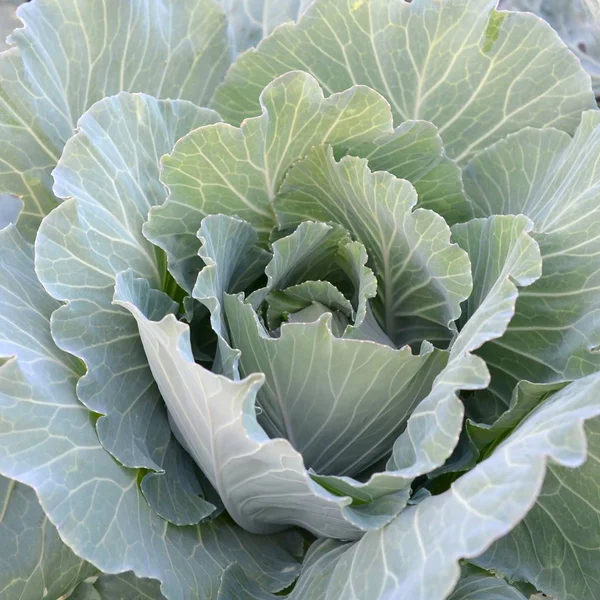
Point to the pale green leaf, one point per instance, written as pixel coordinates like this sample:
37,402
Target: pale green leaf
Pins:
34,563
312,252
416,556
263,482
305,266
73,53
109,171
415,151
341,403
461,65
48,441
286,304
238,171
555,181
223,169
422,277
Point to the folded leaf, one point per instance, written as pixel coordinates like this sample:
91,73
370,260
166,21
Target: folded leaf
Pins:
232,262
263,482
416,555
415,151
422,277
557,546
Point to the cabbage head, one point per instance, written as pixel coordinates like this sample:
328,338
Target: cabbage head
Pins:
297,299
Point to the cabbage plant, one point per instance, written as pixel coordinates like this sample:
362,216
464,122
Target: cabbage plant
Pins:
302,301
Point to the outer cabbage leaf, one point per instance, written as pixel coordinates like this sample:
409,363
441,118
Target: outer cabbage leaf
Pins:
48,441
557,546
576,22
555,549
109,174
72,53
238,171
34,563
553,336
554,180
416,555
476,73
252,20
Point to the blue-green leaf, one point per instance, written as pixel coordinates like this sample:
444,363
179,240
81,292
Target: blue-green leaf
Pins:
554,180
34,563
48,441
416,556
73,53
109,173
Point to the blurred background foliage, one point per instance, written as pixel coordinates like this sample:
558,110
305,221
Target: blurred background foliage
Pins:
578,24
8,19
